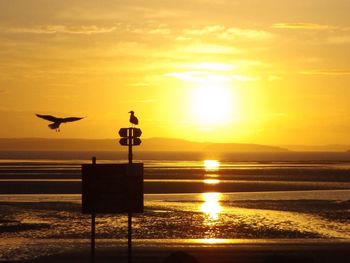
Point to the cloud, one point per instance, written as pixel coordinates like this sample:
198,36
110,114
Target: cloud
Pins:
213,66
197,76
54,29
159,31
204,30
187,76
326,72
202,48
244,78
149,29
227,33
204,76
303,26
250,34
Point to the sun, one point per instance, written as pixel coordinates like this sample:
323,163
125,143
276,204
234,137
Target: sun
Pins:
211,103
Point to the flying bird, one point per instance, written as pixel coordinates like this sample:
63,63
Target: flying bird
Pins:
56,122
133,119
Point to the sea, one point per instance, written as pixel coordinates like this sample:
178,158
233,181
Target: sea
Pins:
190,199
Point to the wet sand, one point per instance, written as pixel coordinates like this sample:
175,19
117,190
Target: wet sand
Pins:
270,252
64,186
64,177
311,225
244,231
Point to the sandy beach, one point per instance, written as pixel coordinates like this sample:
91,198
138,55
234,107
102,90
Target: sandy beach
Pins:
248,212
263,251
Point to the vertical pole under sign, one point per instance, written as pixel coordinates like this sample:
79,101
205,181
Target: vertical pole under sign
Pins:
130,145
129,213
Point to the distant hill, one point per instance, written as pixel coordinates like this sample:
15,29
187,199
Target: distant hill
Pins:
150,144
318,148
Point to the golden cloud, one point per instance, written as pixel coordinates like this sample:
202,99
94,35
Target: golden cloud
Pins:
303,26
334,72
53,29
227,33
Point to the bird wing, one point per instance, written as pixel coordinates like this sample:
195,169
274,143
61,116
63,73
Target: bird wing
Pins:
70,119
48,117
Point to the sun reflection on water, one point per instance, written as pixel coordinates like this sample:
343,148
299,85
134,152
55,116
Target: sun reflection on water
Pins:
214,241
211,181
211,206
211,165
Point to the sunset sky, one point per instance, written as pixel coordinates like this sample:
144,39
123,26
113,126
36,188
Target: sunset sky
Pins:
248,71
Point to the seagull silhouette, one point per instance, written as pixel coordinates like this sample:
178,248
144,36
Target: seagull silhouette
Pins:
56,122
133,119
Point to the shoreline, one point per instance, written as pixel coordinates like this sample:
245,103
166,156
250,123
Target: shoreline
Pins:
19,186
334,195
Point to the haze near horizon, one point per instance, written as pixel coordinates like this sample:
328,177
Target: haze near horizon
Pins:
266,72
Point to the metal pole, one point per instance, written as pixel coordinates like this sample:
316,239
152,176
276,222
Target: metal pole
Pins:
93,230
129,213
130,145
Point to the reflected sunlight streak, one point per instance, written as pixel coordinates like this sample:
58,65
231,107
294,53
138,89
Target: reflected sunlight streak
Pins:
211,165
214,241
211,206
211,181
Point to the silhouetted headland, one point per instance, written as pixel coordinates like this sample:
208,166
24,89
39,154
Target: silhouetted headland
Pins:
151,144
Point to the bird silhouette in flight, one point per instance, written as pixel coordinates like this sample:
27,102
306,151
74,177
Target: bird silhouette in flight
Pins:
56,122
133,120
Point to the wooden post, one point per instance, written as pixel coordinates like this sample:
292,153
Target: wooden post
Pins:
130,139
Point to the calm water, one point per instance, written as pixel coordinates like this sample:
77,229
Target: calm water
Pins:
205,201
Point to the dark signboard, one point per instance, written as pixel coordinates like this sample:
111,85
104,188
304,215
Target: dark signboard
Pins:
112,188
130,136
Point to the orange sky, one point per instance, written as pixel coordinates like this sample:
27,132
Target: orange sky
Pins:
271,72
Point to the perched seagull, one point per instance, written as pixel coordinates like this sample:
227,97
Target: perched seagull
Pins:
56,122
133,119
